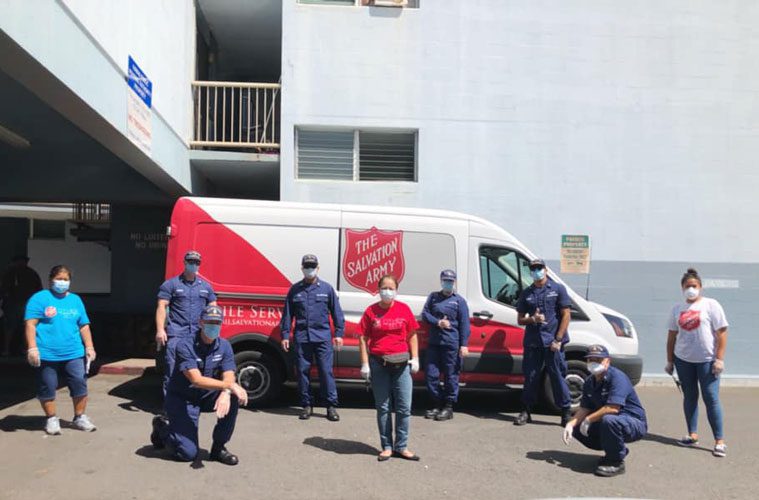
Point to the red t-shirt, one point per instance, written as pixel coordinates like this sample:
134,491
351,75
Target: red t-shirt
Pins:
387,329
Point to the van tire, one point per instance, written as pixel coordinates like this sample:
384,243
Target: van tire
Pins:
577,372
260,375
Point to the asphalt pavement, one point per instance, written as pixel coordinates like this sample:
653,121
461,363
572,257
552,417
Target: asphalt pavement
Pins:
478,454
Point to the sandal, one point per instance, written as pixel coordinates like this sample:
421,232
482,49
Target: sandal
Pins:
412,457
383,458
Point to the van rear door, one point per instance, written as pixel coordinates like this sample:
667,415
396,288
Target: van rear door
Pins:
497,276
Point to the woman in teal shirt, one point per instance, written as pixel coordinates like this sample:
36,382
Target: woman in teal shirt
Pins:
59,343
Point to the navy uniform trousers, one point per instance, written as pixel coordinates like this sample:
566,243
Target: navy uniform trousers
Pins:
556,366
611,434
323,354
181,435
445,360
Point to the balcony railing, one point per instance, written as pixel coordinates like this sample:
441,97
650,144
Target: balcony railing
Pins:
232,115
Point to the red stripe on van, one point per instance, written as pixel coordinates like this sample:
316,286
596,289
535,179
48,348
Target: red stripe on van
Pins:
229,262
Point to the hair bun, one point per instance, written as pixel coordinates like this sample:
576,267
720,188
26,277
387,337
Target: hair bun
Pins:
692,271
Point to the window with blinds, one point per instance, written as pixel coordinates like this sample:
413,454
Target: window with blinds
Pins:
356,155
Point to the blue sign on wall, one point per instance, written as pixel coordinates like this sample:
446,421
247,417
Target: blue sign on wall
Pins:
140,83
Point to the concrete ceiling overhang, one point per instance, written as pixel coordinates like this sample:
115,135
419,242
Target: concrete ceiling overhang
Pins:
249,37
238,175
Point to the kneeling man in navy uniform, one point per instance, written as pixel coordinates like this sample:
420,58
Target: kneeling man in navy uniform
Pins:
203,380
610,413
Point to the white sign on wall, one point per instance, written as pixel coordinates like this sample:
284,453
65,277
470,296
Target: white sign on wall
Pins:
139,104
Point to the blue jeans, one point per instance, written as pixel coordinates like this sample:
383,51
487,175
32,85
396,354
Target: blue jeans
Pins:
392,387
691,376
47,378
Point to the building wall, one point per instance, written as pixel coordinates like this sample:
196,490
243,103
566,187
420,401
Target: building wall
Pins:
633,123
160,37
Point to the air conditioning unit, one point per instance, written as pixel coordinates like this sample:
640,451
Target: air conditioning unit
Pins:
390,3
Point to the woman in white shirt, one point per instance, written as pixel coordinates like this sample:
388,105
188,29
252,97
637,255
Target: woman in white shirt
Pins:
696,348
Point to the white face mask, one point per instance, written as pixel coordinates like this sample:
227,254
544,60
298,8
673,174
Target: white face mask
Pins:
691,292
387,294
309,273
596,368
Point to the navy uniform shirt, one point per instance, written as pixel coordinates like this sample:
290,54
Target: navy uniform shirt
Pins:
453,307
312,304
187,300
211,359
551,298
613,389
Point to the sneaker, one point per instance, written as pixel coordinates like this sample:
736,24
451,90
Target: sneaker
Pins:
610,469
83,423
53,426
720,450
687,441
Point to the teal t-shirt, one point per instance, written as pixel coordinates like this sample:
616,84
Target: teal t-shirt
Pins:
60,318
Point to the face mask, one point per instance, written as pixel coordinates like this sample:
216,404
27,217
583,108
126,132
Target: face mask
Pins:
387,295
191,268
447,286
61,286
211,330
309,272
538,274
596,368
691,292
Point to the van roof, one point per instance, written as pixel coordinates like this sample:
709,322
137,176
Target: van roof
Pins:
425,212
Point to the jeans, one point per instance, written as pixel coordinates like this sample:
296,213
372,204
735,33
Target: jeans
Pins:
47,378
691,376
392,387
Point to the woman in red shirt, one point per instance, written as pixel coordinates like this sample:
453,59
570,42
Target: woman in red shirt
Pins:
388,333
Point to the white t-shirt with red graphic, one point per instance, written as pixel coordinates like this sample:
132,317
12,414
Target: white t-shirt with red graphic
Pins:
696,324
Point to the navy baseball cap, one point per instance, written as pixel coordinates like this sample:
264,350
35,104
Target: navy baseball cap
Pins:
537,263
448,274
597,351
309,259
213,313
192,255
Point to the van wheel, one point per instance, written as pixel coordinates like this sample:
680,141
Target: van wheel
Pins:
258,374
577,372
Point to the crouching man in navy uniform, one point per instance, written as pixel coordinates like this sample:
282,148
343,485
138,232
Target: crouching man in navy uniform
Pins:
610,413
544,310
448,315
203,380
310,303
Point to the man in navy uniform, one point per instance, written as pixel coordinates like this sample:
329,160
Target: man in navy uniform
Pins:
203,381
186,296
311,302
544,309
448,315
610,413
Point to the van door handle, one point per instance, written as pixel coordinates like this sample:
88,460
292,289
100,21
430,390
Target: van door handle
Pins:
484,314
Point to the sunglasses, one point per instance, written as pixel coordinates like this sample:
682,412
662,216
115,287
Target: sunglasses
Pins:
196,262
309,266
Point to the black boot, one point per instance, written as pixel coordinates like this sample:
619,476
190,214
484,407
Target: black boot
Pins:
523,418
610,469
220,454
446,413
566,416
159,423
434,409
332,415
306,413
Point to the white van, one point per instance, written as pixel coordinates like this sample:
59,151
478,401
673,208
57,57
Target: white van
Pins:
252,253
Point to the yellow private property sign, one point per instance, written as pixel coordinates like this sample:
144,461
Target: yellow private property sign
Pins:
575,253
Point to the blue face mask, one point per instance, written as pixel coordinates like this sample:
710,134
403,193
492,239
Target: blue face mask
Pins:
211,330
538,274
446,285
61,286
191,268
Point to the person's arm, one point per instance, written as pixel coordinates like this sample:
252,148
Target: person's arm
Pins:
413,344
464,327
338,318
89,347
579,416
160,322
721,343
363,350
566,315
427,312
597,415
201,382
30,330
286,323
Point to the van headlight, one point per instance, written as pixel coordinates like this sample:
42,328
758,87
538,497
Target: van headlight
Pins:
621,326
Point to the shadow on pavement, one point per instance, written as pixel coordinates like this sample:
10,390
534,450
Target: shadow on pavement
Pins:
142,394
578,462
341,446
670,441
13,423
149,451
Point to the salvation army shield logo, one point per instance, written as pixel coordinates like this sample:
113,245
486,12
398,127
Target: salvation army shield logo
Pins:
371,254
690,319
50,312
